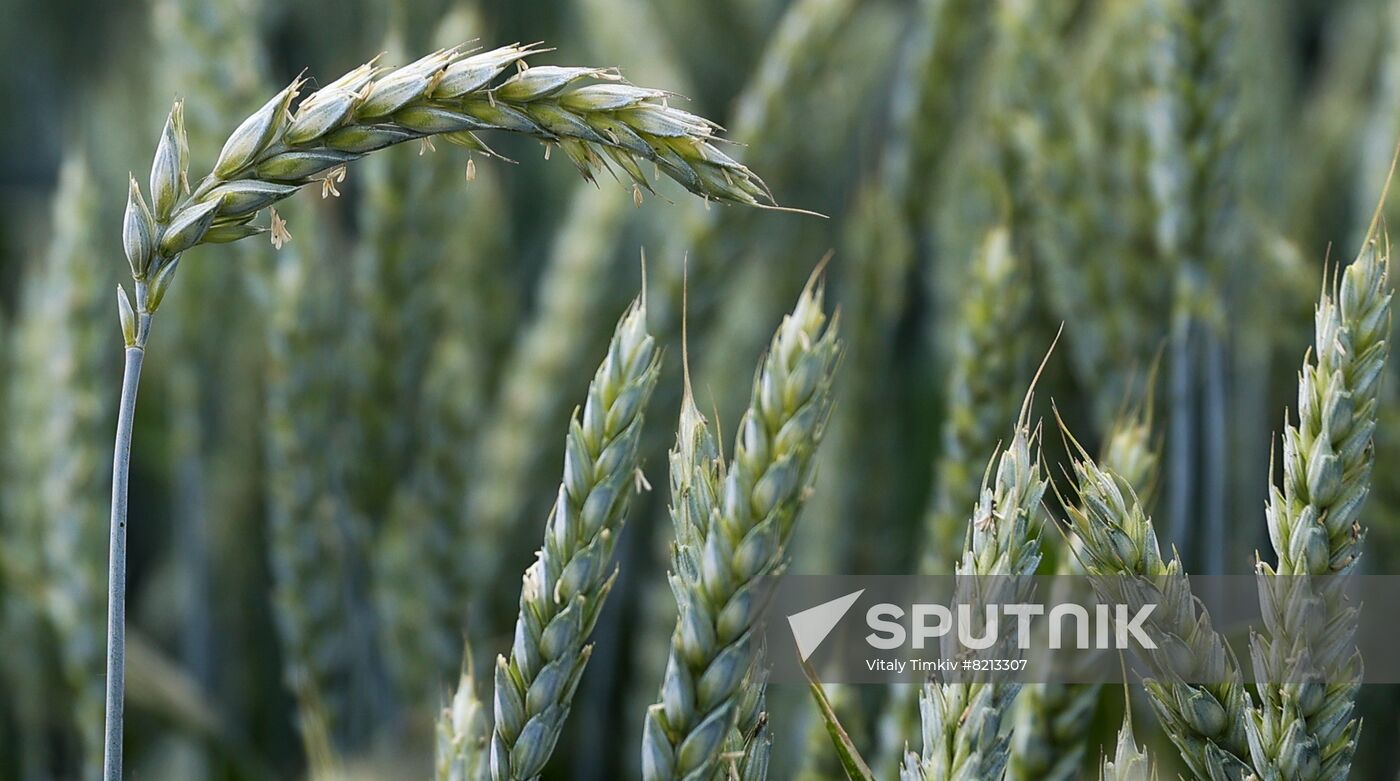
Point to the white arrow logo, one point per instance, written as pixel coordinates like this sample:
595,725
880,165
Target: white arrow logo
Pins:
811,626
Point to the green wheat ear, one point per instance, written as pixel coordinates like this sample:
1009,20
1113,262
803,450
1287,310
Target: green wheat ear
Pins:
733,524
1304,725
564,590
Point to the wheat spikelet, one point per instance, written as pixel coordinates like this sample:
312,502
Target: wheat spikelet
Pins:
463,732
565,588
733,525
1308,666
1130,761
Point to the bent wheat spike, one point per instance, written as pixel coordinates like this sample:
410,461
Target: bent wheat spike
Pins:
599,121
565,588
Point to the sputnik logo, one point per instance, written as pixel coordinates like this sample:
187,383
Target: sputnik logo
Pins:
811,626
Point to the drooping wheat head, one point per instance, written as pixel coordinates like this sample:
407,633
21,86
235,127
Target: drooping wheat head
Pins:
596,119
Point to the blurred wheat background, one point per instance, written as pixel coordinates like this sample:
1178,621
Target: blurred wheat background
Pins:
347,449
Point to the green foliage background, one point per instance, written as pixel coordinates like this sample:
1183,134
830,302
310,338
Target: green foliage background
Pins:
358,436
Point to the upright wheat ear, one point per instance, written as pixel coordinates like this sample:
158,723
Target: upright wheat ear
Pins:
599,121
733,526
1310,669
565,588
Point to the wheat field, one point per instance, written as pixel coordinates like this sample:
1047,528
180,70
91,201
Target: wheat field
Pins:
494,358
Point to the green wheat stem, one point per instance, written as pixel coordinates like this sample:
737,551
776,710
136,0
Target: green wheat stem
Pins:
116,557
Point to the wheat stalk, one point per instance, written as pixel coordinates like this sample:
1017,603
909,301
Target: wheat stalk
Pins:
805,31
1119,549
1191,179
739,527
573,290
599,121
988,358
420,579
961,722
1307,662
428,266
565,588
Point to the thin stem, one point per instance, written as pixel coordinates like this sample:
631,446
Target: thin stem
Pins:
116,571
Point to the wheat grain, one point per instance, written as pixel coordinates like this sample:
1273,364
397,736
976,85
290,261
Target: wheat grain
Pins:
565,588
1130,761
1119,549
737,520
961,722
1306,660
